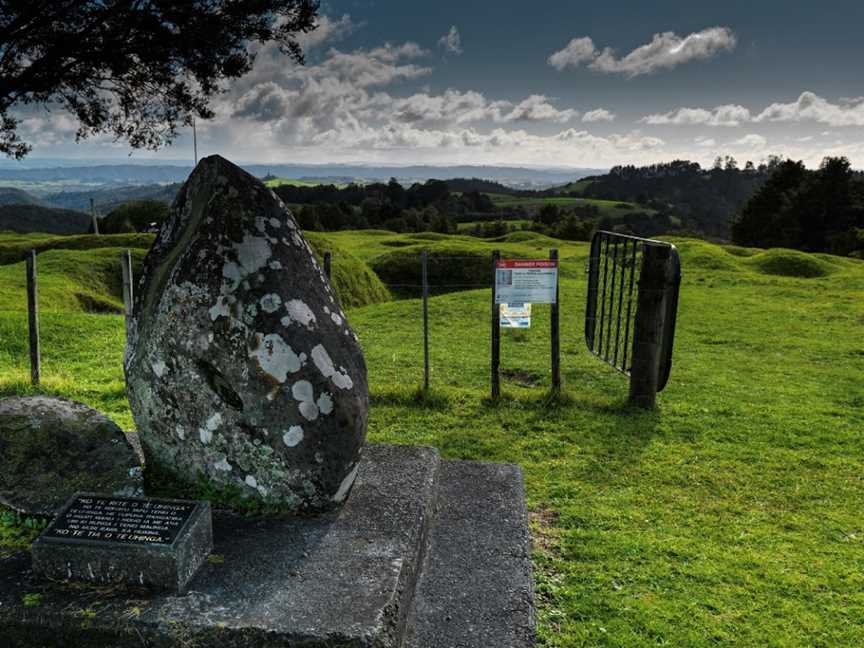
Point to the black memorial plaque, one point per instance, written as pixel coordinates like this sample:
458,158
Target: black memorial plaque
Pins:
122,519
135,540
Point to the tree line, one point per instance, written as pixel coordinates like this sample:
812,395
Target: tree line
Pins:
818,210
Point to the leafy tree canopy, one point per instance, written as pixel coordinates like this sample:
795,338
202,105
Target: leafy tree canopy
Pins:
133,68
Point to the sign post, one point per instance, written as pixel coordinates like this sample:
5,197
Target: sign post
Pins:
556,330
496,329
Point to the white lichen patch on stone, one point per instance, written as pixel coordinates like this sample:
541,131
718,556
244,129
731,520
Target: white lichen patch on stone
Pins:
293,436
274,356
260,224
214,422
206,436
303,391
253,253
325,365
346,484
325,403
159,368
326,310
270,303
337,320
233,273
251,481
219,309
275,222
223,465
180,432
299,313
274,265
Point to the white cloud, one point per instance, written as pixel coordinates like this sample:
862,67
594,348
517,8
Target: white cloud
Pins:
727,115
811,107
598,115
451,41
752,141
328,31
538,108
577,51
666,50
705,142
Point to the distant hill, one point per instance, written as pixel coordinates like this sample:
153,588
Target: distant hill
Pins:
37,218
465,185
108,199
705,200
13,196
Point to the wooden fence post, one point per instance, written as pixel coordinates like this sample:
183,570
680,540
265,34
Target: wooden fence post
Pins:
424,257
496,332
556,331
328,261
649,325
93,217
128,296
33,318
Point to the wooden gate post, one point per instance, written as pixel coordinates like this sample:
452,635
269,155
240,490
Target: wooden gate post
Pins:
496,332
556,331
33,319
424,258
649,325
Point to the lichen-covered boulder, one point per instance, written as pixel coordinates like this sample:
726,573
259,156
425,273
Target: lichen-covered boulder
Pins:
240,365
50,448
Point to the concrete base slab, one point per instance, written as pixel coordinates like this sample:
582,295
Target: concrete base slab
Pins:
425,553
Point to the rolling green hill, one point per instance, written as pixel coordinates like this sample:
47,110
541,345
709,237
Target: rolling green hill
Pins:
730,516
37,218
13,196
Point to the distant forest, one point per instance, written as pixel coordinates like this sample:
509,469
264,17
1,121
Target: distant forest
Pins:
779,203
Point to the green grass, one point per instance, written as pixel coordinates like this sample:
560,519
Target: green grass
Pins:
610,208
279,182
733,515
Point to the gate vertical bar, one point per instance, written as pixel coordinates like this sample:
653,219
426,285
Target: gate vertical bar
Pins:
496,332
33,319
629,306
623,262
648,329
425,260
556,330
612,281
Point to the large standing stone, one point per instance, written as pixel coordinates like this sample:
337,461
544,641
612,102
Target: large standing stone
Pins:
51,448
240,364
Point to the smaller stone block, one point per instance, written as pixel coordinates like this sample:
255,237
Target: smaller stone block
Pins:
157,543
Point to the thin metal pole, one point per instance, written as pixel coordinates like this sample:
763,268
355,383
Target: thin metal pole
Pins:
496,332
33,319
622,260
627,349
556,330
425,260
603,296
612,280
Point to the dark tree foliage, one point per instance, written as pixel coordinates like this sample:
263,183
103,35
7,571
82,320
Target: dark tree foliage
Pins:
134,68
705,200
815,211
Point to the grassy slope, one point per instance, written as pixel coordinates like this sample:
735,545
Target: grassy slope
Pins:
731,516
607,207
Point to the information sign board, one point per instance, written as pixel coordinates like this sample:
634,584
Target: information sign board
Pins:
515,316
526,281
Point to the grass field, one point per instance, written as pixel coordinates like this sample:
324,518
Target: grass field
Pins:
733,515
279,182
610,208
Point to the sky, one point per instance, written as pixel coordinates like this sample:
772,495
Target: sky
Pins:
544,84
